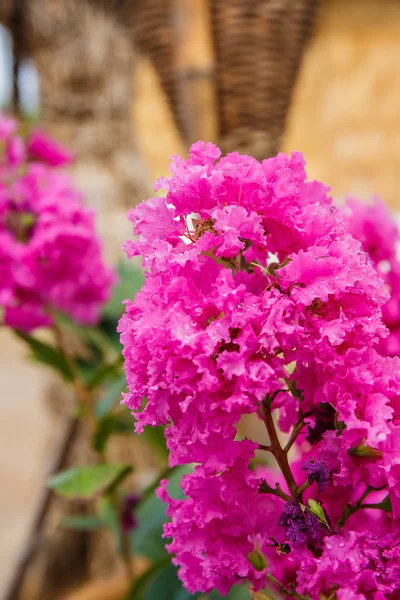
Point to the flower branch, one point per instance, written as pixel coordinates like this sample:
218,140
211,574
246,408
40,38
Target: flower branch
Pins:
295,432
276,448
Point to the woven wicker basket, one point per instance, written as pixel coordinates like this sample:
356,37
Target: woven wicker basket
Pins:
258,48
258,45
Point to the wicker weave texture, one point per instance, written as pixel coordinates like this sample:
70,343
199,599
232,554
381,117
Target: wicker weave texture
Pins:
258,47
155,25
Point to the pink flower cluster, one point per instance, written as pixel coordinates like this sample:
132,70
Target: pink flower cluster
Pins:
50,256
373,225
259,301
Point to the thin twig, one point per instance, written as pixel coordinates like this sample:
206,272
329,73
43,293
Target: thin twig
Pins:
350,509
303,488
265,488
294,435
284,590
265,448
85,397
127,554
82,393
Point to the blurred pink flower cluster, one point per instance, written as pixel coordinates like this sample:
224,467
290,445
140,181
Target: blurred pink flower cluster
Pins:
379,235
50,255
259,300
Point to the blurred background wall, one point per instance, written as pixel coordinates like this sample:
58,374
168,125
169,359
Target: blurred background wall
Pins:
344,116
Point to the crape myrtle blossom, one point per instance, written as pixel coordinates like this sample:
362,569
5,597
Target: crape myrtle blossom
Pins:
50,255
258,300
372,224
363,565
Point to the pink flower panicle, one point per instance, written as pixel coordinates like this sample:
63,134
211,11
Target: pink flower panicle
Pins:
50,255
362,565
258,300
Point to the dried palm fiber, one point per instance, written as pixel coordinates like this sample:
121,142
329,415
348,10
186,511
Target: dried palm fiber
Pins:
152,27
6,7
85,61
258,47
15,18
155,27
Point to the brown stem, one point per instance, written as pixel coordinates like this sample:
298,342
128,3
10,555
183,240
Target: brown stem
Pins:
265,488
40,514
125,539
127,554
265,448
302,488
85,397
284,590
350,509
277,450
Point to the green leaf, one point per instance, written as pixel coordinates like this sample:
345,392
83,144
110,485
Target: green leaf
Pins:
82,523
105,371
106,427
93,337
238,592
257,559
261,596
160,582
364,451
147,537
130,281
124,423
167,473
110,518
154,436
385,505
88,481
108,326
296,393
111,397
47,354
140,584
167,586
318,511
